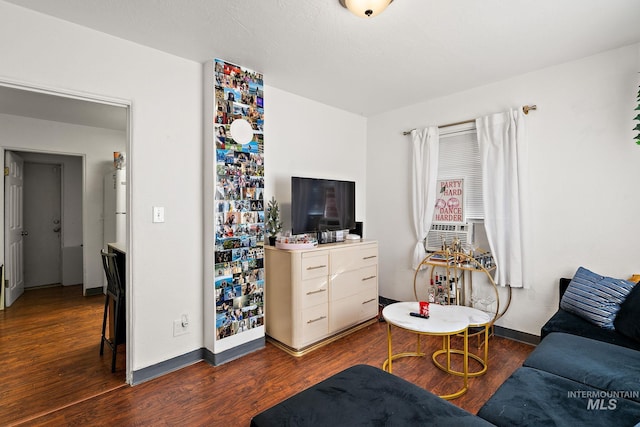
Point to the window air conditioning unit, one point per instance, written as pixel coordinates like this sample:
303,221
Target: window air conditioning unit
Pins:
448,232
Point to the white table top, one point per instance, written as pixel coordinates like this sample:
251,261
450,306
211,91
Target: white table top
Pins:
443,319
476,317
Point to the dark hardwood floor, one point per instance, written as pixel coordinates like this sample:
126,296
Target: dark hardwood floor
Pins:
230,394
49,353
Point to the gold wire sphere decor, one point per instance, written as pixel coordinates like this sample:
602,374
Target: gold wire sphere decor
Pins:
365,8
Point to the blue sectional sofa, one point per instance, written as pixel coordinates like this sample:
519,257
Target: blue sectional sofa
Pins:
570,381
579,375
564,321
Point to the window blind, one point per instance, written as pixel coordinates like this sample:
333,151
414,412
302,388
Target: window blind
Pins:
460,158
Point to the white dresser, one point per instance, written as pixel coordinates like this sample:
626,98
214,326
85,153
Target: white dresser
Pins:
314,294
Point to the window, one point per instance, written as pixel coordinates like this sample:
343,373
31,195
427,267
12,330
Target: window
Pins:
460,158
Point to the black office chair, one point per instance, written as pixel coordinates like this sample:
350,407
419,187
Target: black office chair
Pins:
116,293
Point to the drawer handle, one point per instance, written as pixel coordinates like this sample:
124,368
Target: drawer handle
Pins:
316,267
368,301
368,278
370,256
316,320
316,292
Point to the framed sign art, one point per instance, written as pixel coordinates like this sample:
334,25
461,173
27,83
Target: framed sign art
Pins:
449,201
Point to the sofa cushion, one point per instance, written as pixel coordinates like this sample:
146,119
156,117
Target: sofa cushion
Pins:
365,396
531,397
594,363
627,321
594,297
563,321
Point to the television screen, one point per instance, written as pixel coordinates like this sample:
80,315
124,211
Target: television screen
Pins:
322,205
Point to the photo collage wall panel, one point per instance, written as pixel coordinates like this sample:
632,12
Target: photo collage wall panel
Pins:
239,201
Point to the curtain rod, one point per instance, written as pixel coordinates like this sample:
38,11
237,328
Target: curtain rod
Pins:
525,109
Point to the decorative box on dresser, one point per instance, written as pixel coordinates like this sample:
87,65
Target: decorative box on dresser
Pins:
314,295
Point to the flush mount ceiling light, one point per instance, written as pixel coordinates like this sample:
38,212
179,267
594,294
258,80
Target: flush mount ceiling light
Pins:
365,8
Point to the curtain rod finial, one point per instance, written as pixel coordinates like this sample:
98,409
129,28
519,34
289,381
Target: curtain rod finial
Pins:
528,108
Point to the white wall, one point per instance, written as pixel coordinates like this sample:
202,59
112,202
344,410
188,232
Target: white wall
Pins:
165,161
583,166
97,147
309,139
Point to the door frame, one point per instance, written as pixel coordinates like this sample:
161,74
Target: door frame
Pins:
100,99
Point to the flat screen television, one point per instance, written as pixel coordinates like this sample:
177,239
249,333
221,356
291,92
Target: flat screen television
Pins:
322,205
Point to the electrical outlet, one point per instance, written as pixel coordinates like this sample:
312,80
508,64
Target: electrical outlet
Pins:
181,327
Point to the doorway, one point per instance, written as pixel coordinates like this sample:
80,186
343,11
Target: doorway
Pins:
89,130
43,224
53,203
33,205
88,133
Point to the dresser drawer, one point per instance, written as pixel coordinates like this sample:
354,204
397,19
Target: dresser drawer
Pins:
314,265
315,324
354,282
353,309
353,258
314,292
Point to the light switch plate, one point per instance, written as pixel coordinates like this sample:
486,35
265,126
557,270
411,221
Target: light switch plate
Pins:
158,214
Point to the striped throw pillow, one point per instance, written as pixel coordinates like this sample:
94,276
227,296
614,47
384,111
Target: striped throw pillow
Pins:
595,298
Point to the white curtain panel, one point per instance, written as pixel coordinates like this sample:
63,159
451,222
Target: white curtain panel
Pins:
426,145
502,143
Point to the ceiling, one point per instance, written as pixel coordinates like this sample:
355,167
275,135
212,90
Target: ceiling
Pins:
413,51
44,106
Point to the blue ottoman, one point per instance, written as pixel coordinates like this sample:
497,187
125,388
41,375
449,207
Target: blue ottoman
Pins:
365,396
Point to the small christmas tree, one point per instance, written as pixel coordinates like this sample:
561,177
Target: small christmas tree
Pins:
274,226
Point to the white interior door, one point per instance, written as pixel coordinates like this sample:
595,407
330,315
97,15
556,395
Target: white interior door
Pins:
42,221
13,226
